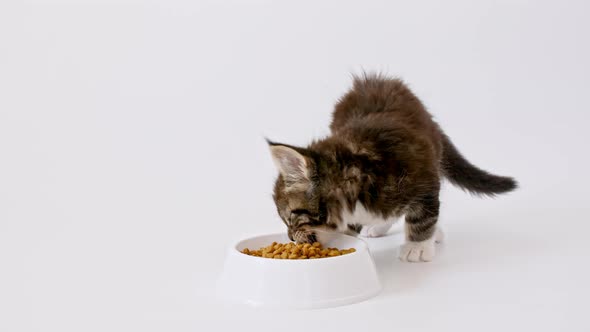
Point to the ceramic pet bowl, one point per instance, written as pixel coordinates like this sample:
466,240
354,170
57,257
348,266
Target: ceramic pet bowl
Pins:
300,284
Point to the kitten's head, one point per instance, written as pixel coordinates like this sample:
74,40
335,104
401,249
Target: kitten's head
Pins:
298,193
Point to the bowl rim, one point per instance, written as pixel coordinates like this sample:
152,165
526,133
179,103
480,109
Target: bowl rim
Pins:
234,250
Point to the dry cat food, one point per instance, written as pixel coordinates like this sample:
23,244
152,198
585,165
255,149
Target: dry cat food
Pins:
293,250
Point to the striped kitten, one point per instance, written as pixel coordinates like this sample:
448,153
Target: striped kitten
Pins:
384,159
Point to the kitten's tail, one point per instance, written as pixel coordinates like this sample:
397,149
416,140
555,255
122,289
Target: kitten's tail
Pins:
470,178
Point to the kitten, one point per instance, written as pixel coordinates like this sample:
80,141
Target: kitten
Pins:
385,158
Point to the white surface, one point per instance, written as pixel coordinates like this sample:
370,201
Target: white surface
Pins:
131,151
298,284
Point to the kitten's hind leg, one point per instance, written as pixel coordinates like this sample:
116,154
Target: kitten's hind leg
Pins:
421,231
377,230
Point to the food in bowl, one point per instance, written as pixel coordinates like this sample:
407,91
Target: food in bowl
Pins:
294,250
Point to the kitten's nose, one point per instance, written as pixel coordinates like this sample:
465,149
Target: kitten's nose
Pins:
290,236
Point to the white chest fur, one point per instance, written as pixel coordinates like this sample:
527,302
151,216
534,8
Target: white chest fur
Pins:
361,216
373,224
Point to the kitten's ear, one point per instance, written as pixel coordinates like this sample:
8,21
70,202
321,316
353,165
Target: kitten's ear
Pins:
292,165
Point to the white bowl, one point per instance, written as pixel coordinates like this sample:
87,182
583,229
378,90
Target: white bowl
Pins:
299,284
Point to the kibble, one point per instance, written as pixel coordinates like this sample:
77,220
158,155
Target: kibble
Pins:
293,250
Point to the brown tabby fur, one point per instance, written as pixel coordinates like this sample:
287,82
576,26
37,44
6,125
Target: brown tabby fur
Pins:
384,152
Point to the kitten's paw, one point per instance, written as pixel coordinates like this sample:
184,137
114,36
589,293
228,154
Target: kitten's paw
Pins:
376,230
422,251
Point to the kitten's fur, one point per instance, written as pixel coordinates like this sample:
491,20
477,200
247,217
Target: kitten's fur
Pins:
384,158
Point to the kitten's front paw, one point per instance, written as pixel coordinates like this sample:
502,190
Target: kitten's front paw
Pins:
376,230
422,251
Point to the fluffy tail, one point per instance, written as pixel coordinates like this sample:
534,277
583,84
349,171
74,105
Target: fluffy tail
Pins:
470,178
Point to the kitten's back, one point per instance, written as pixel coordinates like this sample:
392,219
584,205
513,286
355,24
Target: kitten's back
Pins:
379,104
381,98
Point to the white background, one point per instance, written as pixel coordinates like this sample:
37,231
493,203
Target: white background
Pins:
132,153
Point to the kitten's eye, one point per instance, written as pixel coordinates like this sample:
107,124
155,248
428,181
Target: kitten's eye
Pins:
300,211
306,219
